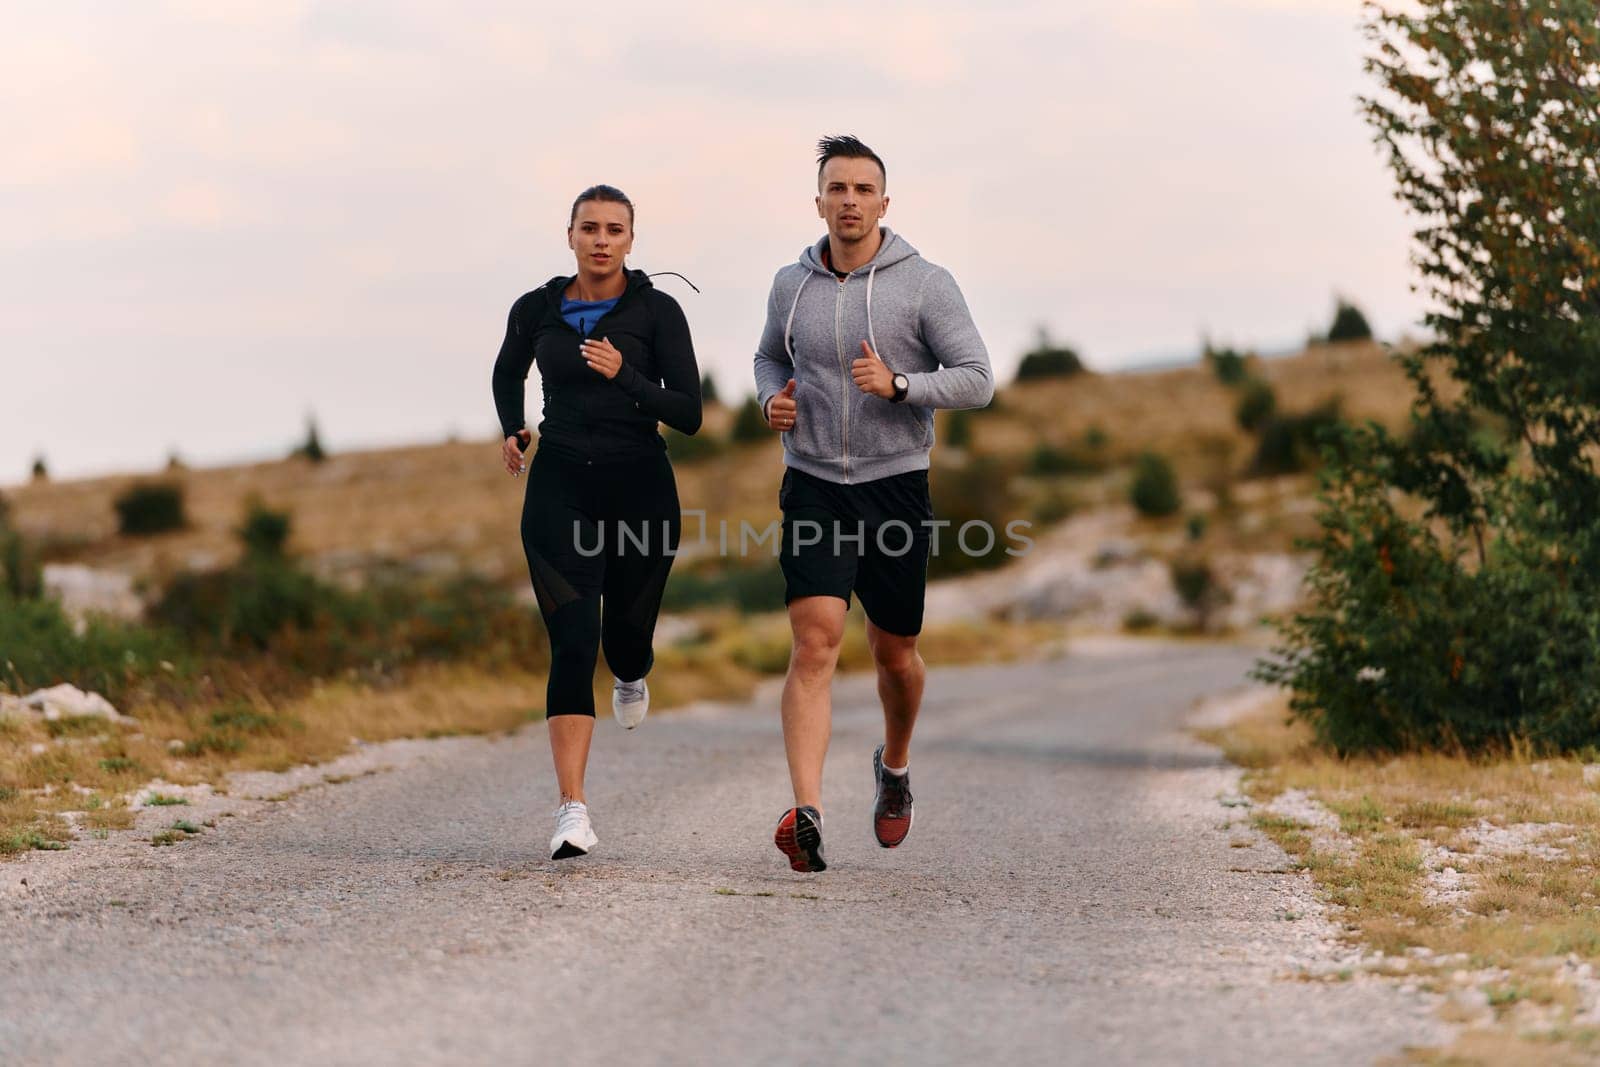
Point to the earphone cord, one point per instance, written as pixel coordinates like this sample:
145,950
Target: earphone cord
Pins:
675,274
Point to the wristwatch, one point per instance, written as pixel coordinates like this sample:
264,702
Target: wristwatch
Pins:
901,385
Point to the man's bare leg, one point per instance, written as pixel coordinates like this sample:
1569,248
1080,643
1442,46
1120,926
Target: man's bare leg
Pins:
901,676
817,623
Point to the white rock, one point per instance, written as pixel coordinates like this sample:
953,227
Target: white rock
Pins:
62,701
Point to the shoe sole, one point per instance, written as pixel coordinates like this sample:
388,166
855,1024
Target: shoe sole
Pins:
878,795
878,833
570,848
800,846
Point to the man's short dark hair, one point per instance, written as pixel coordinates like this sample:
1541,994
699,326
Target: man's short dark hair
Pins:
844,146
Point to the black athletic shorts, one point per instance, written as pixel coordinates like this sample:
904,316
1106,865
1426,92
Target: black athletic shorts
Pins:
871,538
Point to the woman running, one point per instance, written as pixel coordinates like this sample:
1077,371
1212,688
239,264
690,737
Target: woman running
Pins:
600,518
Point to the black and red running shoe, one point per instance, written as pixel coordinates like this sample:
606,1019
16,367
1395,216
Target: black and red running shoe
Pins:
799,836
891,809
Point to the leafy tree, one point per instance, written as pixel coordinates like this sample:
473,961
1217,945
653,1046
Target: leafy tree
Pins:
1048,360
1349,324
1455,599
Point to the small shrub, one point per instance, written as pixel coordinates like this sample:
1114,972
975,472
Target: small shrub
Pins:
21,576
1292,444
312,448
688,448
1049,460
150,508
265,532
958,428
1139,620
708,389
1154,489
1048,360
979,491
750,588
1195,527
1198,588
39,647
41,473
1229,366
1257,404
748,425
1053,507
1349,324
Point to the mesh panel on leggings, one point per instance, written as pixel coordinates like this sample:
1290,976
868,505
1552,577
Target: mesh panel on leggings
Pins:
552,590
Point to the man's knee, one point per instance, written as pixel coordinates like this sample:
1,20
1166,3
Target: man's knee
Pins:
816,645
894,655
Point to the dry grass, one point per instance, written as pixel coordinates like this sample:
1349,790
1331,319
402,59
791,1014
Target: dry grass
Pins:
90,766
1525,834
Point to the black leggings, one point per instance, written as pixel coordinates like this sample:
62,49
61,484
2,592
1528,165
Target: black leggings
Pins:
592,530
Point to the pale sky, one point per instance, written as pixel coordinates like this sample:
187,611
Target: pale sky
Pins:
217,217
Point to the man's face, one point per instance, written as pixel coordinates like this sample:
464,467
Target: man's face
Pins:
850,198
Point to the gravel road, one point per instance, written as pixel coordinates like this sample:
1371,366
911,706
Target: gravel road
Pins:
1070,894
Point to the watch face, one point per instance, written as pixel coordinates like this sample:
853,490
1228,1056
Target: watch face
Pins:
902,382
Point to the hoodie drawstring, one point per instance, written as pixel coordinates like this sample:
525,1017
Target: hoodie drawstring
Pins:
871,337
788,327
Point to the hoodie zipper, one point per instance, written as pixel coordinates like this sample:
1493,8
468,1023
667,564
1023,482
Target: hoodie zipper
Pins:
838,343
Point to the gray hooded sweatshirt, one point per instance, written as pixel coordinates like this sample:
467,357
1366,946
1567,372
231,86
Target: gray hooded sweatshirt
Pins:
913,315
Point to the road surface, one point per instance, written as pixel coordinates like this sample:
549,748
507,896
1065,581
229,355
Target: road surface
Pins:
1069,895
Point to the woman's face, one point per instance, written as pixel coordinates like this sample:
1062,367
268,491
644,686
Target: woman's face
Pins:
600,236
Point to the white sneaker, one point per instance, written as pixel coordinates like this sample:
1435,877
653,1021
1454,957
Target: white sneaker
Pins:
574,834
629,702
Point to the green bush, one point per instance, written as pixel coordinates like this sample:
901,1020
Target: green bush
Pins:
958,428
150,508
977,491
1197,586
41,473
748,425
1048,360
1292,444
1257,404
1053,507
688,448
21,576
265,533
1229,366
1154,489
1049,460
1349,324
39,648
750,588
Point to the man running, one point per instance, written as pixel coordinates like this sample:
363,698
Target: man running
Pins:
864,339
